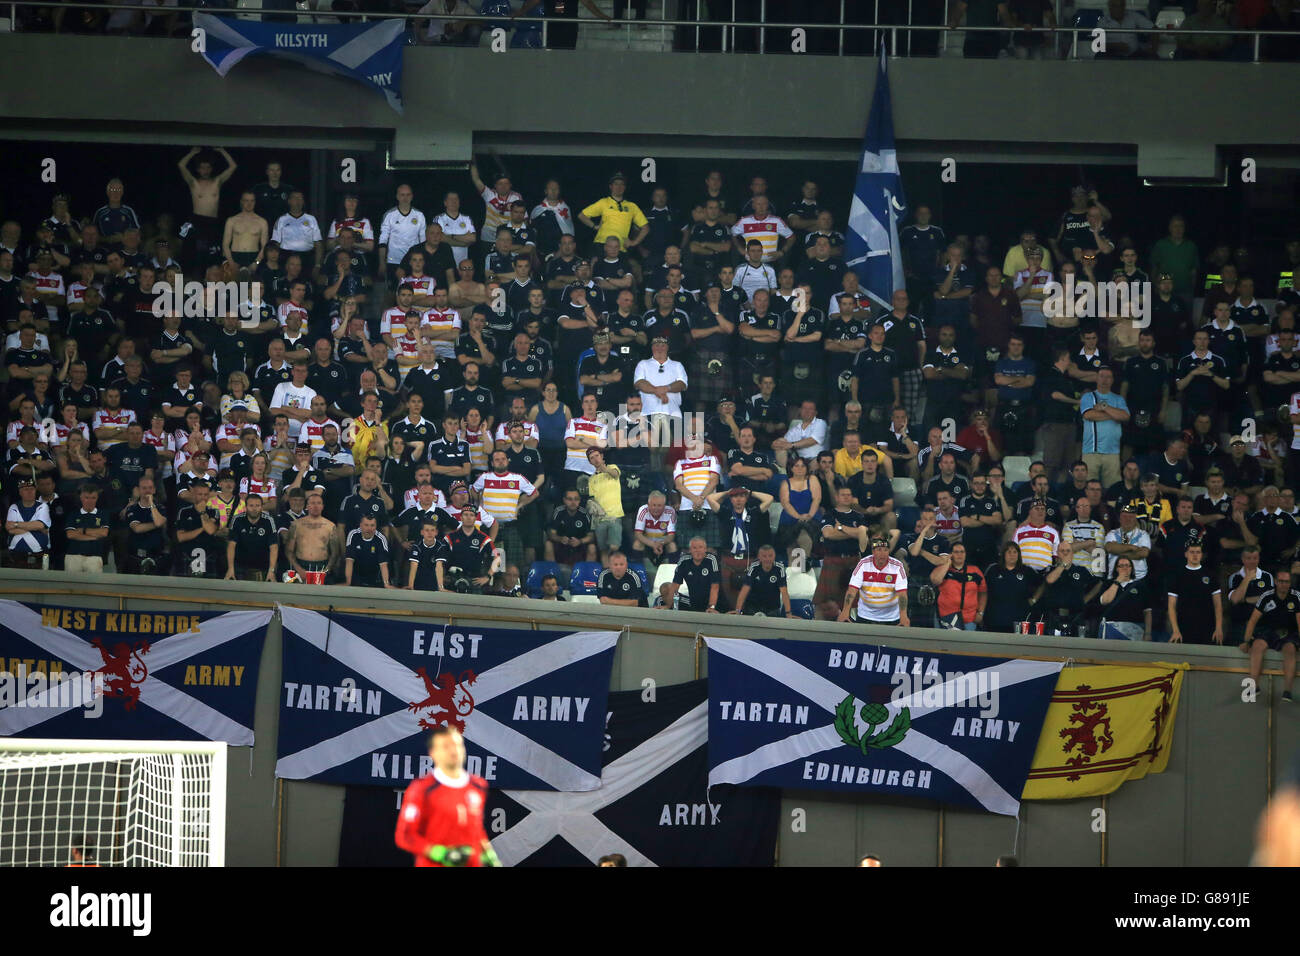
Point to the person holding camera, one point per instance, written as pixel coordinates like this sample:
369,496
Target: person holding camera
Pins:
146,542
962,591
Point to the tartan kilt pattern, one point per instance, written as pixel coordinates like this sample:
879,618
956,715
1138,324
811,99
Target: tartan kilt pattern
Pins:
708,388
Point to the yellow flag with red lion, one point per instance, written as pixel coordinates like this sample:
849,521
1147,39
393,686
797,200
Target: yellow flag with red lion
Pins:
1105,725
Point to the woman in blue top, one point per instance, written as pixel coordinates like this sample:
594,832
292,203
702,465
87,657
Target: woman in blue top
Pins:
801,508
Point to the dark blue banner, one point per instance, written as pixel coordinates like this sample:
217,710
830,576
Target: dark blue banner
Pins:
872,719
654,805
368,52
360,696
132,675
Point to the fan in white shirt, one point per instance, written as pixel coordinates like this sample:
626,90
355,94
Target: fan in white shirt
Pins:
402,227
661,381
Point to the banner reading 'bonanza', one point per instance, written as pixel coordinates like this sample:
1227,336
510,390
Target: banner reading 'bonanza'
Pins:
80,673
368,52
870,719
361,694
1106,725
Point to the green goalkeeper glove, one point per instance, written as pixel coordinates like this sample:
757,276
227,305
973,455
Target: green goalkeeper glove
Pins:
449,855
489,857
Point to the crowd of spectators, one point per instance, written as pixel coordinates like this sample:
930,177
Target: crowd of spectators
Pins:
487,391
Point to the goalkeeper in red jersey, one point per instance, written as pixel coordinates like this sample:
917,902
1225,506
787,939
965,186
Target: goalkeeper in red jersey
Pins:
441,821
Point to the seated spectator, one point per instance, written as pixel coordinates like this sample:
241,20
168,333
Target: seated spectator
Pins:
763,588
618,586
654,532
1203,47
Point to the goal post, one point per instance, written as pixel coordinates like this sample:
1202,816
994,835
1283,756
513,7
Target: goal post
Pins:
112,802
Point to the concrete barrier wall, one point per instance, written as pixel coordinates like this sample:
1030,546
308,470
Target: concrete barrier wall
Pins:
1200,811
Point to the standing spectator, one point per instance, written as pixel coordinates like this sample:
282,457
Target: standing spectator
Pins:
877,588
1195,606
618,217
962,592
298,232
366,556
606,489
661,382
1011,585
1060,402
1015,376
1038,540
1104,413
252,543
905,335
504,494
87,532
980,13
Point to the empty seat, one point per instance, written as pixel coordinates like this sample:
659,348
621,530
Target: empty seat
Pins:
1169,18
1016,468
904,492
1173,420
585,577
801,585
585,599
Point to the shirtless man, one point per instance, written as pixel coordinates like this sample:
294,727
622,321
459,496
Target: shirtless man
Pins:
465,292
311,545
205,194
245,236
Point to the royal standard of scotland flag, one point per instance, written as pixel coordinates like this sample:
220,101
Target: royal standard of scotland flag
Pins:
871,719
82,673
369,52
360,696
871,246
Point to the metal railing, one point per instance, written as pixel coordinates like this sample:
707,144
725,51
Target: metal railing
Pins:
727,28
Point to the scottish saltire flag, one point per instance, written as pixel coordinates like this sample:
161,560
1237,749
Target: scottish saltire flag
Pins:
360,695
368,52
871,244
654,805
872,719
82,673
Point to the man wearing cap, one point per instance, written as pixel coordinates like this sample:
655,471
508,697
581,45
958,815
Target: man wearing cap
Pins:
28,525
1128,540
878,588
617,217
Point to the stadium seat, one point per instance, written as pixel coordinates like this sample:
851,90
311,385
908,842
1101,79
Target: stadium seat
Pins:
801,608
585,576
664,575
1194,490
1173,420
801,585
907,518
774,514
539,570
904,492
1016,468
642,575
584,599
1168,18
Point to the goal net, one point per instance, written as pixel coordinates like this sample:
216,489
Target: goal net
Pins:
112,803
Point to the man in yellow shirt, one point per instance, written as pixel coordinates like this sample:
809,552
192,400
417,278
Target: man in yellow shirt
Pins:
368,427
606,489
848,460
617,217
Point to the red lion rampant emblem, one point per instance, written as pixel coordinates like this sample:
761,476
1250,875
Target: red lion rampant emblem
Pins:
449,696
1090,732
124,670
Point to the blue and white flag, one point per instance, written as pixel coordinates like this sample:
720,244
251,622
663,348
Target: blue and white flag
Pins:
871,719
653,806
871,246
369,52
81,673
360,696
